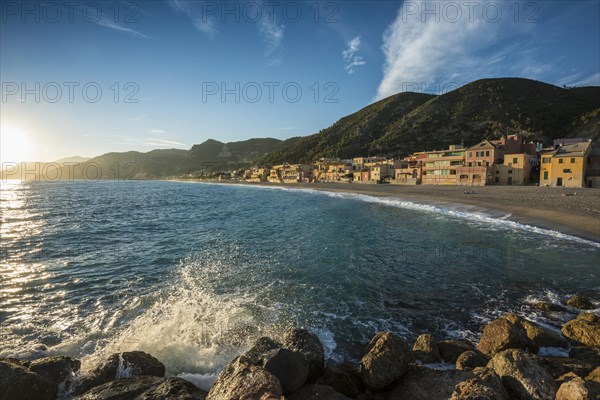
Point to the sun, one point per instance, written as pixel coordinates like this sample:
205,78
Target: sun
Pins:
15,145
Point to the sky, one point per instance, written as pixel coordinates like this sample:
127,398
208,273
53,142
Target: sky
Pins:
85,78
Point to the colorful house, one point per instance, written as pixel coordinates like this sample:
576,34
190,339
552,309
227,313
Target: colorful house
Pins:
440,166
565,165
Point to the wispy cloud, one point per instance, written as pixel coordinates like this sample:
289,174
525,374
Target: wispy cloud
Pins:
352,59
272,34
107,22
157,131
194,11
418,48
151,142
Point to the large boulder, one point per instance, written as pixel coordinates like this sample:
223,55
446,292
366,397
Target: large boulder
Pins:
523,375
309,345
580,302
485,385
421,383
594,376
426,350
543,337
242,381
289,367
559,366
505,333
58,370
317,392
590,355
344,378
121,365
548,307
583,330
577,389
255,355
451,349
386,360
145,388
18,383
471,359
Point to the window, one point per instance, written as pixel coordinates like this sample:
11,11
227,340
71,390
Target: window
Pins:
545,175
497,179
470,154
515,160
567,171
487,153
572,160
510,171
560,160
546,160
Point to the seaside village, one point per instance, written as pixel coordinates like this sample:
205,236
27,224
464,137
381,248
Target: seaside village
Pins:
507,161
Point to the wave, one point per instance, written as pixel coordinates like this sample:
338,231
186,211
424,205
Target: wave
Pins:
482,220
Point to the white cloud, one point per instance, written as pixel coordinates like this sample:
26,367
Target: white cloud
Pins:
194,11
157,131
442,49
352,59
272,35
109,23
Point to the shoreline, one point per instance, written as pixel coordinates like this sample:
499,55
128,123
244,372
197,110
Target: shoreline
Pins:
573,211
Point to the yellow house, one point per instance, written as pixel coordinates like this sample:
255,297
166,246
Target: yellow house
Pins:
514,170
565,166
275,174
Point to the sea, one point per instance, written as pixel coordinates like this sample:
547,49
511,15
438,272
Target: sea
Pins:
194,273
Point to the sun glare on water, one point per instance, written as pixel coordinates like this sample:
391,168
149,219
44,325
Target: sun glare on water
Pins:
15,145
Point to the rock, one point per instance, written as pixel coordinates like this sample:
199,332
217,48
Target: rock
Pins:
289,367
57,370
583,330
317,392
242,381
145,388
254,356
549,307
543,337
421,383
471,359
485,385
18,383
451,349
522,375
559,366
505,333
343,378
576,389
309,345
386,360
590,355
121,365
425,349
581,302
594,376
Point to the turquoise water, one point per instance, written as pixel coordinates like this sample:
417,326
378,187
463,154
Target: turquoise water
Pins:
193,273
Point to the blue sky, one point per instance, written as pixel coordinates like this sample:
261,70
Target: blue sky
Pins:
175,73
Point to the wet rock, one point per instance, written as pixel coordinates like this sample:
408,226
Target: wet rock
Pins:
386,360
590,355
426,350
522,375
421,383
343,378
559,366
121,365
309,345
581,302
18,383
485,385
242,381
594,376
145,388
505,333
289,367
451,349
57,370
548,307
471,359
543,337
317,392
583,330
255,355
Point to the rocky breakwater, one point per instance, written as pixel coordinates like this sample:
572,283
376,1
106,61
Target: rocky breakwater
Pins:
506,363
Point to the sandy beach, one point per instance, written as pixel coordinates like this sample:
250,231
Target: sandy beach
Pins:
573,211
